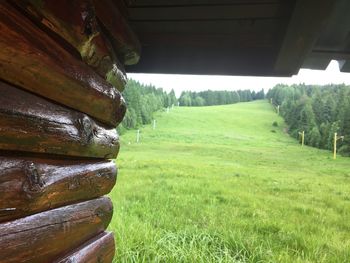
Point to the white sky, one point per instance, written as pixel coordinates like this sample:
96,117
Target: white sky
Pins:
205,82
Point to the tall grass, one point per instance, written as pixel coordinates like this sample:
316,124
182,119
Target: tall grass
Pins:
221,184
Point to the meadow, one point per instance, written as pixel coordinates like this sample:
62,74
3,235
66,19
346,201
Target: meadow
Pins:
222,184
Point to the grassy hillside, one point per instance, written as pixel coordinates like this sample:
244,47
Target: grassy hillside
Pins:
221,184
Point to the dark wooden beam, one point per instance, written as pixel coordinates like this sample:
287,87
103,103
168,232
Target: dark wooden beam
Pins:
32,124
208,61
344,66
317,63
320,59
215,12
330,54
244,40
99,249
220,27
144,3
122,7
307,21
46,236
335,36
33,60
31,185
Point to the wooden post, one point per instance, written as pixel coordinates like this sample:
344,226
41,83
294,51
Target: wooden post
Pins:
302,134
278,109
138,136
335,146
154,124
336,138
302,138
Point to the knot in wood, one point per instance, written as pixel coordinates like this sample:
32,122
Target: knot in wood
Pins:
87,130
99,174
35,182
100,212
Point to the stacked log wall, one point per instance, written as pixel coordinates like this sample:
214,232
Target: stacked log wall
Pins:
61,78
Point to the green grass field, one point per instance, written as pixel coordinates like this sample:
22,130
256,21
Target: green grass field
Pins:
221,184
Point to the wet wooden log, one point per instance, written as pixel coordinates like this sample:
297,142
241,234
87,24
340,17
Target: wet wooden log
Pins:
31,185
124,39
32,124
75,22
33,60
46,236
98,249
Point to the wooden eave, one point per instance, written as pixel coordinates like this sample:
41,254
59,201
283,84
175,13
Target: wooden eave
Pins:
237,37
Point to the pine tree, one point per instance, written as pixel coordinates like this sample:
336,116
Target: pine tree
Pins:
314,137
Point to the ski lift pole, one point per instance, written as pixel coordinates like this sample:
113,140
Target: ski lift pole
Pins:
138,136
302,134
336,138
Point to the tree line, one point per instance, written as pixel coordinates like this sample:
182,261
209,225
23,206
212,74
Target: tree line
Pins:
142,101
320,111
211,97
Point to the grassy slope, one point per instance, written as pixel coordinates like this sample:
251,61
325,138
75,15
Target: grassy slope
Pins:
214,184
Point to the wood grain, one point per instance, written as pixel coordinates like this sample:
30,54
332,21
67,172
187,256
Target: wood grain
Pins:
32,185
31,59
44,237
32,124
75,22
124,39
98,249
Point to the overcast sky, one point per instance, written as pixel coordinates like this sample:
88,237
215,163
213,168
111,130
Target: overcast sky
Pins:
199,82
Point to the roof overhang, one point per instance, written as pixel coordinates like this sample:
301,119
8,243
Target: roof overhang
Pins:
239,37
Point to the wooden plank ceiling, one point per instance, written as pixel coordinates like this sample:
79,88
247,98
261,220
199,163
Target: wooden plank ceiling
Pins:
238,37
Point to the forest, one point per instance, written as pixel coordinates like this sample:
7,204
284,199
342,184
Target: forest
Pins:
143,101
222,97
320,111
